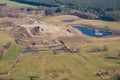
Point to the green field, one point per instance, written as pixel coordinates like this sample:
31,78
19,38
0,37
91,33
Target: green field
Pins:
11,53
81,66
13,4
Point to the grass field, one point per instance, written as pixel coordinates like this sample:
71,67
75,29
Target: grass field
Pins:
13,4
81,66
11,53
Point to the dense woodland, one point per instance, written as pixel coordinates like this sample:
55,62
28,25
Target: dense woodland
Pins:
106,9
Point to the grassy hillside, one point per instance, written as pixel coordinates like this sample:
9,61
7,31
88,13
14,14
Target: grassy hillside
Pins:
4,38
13,4
10,53
81,66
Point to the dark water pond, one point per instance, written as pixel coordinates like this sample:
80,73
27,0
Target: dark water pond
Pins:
27,50
92,32
71,20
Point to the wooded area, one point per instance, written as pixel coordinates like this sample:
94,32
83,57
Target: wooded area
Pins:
108,10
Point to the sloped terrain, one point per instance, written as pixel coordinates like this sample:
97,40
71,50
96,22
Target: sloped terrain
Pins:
10,53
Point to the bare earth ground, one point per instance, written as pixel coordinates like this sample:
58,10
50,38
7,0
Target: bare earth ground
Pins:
24,32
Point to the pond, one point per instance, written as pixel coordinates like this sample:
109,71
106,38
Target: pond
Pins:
27,50
70,20
93,32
